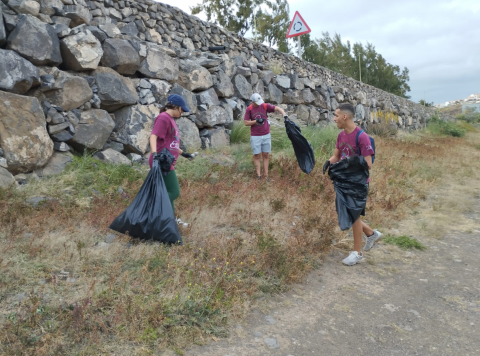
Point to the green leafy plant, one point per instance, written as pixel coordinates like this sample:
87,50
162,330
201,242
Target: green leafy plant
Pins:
438,126
404,242
240,133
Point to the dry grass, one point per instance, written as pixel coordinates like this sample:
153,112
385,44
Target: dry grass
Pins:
65,292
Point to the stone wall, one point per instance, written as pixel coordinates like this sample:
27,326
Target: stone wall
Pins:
92,75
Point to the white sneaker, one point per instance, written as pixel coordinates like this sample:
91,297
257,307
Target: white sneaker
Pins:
352,259
377,236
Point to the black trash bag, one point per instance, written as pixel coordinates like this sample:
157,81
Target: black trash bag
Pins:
165,159
303,149
350,178
150,216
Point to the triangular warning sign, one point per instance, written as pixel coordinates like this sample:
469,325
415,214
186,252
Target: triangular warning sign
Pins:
298,26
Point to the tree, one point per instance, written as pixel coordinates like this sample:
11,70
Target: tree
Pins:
356,61
270,17
424,103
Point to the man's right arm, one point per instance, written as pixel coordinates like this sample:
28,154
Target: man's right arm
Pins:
247,120
336,156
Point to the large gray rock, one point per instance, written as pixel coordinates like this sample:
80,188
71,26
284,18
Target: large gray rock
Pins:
73,92
187,95
314,115
359,112
243,89
295,82
215,115
259,88
159,65
229,110
283,82
275,94
113,157
239,110
224,86
307,96
134,125
228,65
303,114
36,41
17,75
93,130
193,76
114,90
82,51
23,135
189,135
208,97
292,97
266,76
334,104
6,178
3,32
120,55
319,100
78,14
26,7
47,7
56,165
219,138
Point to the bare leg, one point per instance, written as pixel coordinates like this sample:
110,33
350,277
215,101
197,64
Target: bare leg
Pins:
256,162
265,163
357,235
367,230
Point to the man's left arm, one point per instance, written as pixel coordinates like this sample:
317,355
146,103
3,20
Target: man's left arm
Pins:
280,110
368,159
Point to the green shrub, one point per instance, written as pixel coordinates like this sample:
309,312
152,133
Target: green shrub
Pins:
470,117
240,133
404,242
382,129
438,126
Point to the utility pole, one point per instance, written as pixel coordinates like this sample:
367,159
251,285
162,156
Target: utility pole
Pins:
360,65
255,26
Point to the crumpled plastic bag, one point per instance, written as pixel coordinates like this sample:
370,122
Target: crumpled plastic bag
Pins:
303,149
349,177
166,159
150,216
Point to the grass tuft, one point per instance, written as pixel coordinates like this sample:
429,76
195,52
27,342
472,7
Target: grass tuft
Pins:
240,133
440,127
404,242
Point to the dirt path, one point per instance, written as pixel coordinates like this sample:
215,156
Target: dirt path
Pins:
394,303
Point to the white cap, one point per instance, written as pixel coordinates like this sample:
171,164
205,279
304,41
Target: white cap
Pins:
257,99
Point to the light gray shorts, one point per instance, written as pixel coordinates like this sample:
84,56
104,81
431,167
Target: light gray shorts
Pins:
261,144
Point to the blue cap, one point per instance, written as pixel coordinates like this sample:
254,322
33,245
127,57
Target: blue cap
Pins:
178,101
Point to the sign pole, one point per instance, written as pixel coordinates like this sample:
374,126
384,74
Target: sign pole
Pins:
299,47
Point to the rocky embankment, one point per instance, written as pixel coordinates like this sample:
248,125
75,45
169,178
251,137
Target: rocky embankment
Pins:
92,75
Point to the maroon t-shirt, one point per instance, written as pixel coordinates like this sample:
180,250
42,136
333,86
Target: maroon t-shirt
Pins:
254,113
347,144
166,130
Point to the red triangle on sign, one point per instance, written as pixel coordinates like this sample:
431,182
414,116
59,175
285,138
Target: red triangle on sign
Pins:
298,26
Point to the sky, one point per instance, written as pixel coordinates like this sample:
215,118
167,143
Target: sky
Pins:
437,40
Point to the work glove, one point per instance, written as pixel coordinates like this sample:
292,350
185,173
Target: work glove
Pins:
156,156
325,166
285,117
190,156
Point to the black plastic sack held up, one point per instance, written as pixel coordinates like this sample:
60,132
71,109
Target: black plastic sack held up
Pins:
150,216
303,149
349,178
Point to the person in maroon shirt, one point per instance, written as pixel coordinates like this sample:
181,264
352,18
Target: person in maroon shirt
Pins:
165,135
346,147
256,117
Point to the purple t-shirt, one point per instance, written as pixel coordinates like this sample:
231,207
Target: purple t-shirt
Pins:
166,130
254,113
347,145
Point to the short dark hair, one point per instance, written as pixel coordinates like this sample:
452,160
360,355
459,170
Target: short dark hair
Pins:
347,107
